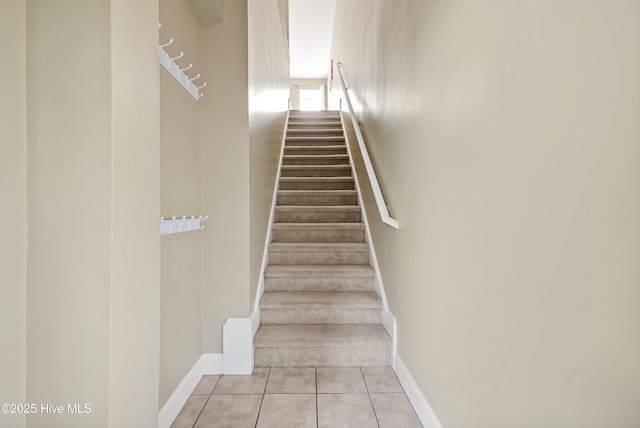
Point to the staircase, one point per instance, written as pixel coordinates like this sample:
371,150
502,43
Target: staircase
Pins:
320,307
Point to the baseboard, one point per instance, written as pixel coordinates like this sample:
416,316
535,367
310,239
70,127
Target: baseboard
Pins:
416,397
388,319
255,315
206,364
211,364
389,324
237,346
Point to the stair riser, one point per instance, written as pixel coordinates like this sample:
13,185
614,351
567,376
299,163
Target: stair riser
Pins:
319,257
306,283
319,124
311,132
316,172
363,356
318,236
317,217
314,141
321,316
315,160
317,185
313,150
322,200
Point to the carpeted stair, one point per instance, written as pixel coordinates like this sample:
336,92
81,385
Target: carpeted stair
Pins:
320,307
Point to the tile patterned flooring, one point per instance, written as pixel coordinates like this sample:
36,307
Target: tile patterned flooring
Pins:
335,397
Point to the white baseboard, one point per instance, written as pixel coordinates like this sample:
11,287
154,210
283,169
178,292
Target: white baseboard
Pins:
237,346
211,364
416,397
389,324
207,364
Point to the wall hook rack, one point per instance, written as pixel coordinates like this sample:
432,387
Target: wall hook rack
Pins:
173,225
178,73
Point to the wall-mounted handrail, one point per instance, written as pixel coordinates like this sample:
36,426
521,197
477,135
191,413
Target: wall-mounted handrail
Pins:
383,208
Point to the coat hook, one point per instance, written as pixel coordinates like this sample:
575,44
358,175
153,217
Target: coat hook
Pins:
200,87
186,68
197,77
170,42
177,57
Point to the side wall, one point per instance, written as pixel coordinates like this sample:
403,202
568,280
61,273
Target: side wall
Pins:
181,194
225,163
13,194
507,148
93,291
69,208
268,94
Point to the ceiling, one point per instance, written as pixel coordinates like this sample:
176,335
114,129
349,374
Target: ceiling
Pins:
310,33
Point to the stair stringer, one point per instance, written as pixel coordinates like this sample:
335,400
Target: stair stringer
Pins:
388,319
255,314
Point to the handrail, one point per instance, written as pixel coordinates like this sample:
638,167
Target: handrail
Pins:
383,209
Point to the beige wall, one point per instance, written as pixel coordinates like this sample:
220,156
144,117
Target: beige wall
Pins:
268,103
69,176
13,194
296,84
181,194
93,186
506,138
243,119
135,210
225,154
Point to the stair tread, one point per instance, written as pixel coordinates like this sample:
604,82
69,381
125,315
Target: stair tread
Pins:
319,271
318,226
321,156
320,299
317,208
318,246
316,179
321,335
318,192
287,167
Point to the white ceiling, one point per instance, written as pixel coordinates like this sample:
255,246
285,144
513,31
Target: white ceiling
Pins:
310,33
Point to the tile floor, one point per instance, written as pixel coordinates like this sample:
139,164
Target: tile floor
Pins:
300,397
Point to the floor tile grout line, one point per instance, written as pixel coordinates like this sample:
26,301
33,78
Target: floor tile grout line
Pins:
263,394
375,415
315,371
206,402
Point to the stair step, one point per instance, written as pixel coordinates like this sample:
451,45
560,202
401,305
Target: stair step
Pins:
330,159
317,197
318,232
317,183
295,123
320,307
314,140
322,345
318,253
319,278
317,214
301,132
315,171
316,150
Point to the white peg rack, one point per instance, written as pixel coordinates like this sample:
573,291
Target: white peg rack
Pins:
173,225
169,63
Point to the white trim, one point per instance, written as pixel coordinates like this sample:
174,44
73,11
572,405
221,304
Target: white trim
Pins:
416,397
255,315
211,364
237,346
206,364
388,319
